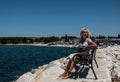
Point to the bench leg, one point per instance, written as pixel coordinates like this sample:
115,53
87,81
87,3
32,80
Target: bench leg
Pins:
93,72
96,63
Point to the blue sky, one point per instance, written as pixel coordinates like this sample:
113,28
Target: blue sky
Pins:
36,18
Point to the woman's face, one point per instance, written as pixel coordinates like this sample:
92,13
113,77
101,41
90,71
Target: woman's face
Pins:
84,34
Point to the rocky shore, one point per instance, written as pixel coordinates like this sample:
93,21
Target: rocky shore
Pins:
108,59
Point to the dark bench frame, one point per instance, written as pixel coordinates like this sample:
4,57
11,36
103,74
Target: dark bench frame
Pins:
85,62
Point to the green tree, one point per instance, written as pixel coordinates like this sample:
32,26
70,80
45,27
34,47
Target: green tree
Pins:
118,35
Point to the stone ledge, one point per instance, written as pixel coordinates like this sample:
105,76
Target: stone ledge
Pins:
108,71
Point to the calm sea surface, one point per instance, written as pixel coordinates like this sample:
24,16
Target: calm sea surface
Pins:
16,60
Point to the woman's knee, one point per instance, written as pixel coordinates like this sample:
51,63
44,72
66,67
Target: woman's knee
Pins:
74,58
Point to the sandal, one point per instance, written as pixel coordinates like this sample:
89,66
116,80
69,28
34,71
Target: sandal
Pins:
65,77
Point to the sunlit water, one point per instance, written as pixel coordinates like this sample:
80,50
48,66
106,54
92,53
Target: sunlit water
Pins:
17,60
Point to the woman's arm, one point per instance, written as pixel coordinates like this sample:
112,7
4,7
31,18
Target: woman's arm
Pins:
92,44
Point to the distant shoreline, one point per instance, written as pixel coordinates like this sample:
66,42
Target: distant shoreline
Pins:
57,45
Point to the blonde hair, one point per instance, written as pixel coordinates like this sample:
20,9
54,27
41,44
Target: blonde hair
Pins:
89,34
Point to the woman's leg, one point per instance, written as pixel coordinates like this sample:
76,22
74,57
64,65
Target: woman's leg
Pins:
69,67
72,64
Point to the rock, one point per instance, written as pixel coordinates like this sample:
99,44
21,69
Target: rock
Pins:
118,56
39,69
51,74
114,73
108,59
27,77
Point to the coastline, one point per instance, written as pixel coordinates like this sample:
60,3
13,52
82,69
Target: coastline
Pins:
108,59
57,45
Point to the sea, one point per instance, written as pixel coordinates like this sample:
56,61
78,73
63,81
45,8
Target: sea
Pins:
16,60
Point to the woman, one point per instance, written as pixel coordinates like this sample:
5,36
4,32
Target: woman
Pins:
85,43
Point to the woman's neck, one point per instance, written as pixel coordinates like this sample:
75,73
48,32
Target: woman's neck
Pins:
82,40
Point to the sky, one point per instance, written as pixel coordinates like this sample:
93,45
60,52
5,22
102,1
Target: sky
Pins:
44,18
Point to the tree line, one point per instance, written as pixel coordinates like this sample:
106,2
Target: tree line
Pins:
108,37
28,40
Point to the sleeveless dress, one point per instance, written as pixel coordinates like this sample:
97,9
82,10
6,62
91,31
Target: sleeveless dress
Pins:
87,51
85,44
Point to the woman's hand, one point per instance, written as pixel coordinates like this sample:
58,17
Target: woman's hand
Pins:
78,53
84,48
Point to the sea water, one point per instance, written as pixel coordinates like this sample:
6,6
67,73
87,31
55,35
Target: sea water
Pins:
16,60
